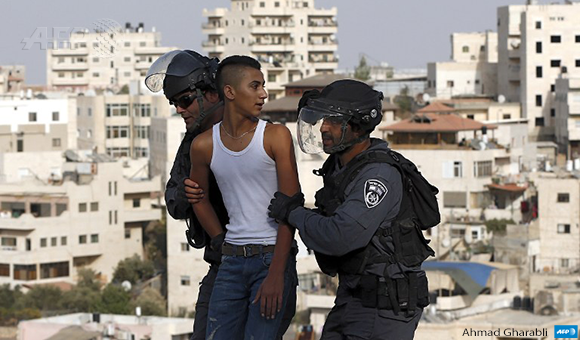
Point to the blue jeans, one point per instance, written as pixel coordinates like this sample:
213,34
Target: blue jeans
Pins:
231,312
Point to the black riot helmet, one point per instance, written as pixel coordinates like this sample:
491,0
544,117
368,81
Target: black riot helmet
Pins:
345,101
183,70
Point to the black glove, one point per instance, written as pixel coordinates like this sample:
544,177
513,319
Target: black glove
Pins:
217,242
281,205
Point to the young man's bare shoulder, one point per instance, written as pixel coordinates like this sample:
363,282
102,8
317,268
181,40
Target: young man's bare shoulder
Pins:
277,131
203,142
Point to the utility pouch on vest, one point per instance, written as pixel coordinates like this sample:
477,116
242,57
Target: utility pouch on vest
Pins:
368,286
412,246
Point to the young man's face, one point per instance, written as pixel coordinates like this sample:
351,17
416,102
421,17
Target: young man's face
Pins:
250,92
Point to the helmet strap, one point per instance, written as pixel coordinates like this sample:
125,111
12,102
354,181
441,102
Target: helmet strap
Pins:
202,112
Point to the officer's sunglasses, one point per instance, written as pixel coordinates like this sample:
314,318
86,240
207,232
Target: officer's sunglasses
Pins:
183,102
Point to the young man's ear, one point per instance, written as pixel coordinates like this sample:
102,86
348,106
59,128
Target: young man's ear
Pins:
229,92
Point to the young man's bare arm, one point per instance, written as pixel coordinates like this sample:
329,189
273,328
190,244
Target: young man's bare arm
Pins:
278,144
200,154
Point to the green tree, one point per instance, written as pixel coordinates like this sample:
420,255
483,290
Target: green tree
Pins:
9,297
498,226
404,100
124,90
82,300
115,300
88,279
42,297
133,269
362,71
151,302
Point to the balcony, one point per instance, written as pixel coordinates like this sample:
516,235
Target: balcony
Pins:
211,46
269,47
141,215
69,51
316,46
70,66
142,65
216,13
70,81
212,29
152,50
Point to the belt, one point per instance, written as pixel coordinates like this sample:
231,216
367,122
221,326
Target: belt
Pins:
246,250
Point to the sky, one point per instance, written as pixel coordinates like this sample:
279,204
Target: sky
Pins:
402,33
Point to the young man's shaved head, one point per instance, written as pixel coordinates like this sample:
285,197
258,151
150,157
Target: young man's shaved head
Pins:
231,71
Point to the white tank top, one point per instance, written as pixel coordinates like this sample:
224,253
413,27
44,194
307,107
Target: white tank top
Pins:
248,181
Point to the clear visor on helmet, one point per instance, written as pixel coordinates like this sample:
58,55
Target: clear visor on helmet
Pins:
156,73
310,121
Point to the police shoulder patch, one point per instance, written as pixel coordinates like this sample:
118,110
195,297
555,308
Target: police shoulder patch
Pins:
375,191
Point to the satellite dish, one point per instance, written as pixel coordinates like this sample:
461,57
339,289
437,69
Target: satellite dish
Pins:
426,97
126,285
445,243
501,99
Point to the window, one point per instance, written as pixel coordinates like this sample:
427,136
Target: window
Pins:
94,206
184,246
43,242
507,116
127,59
118,131
552,88
115,216
9,242
110,217
56,142
63,241
32,116
538,47
539,121
142,110
552,112
470,116
82,207
136,202
53,241
114,110
563,228
555,39
577,62
82,239
564,263
450,83
563,197
54,269
457,169
538,25
555,63
539,100
96,74
262,4
271,78
482,169
538,71
577,38
185,280
95,238
127,44
19,145
127,233
4,269
465,49
277,4
25,272
454,199
55,116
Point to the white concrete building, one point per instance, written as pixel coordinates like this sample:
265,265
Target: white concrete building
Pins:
30,125
558,217
119,125
292,39
89,213
12,78
567,120
536,44
103,60
472,71
105,326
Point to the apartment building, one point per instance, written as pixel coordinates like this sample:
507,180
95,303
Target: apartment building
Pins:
567,120
12,78
119,125
91,216
106,59
558,216
32,125
536,44
291,38
471,71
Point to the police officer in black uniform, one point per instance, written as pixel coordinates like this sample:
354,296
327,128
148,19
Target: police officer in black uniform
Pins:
188,81
352,230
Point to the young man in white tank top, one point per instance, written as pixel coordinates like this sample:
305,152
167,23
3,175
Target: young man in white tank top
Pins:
251,160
